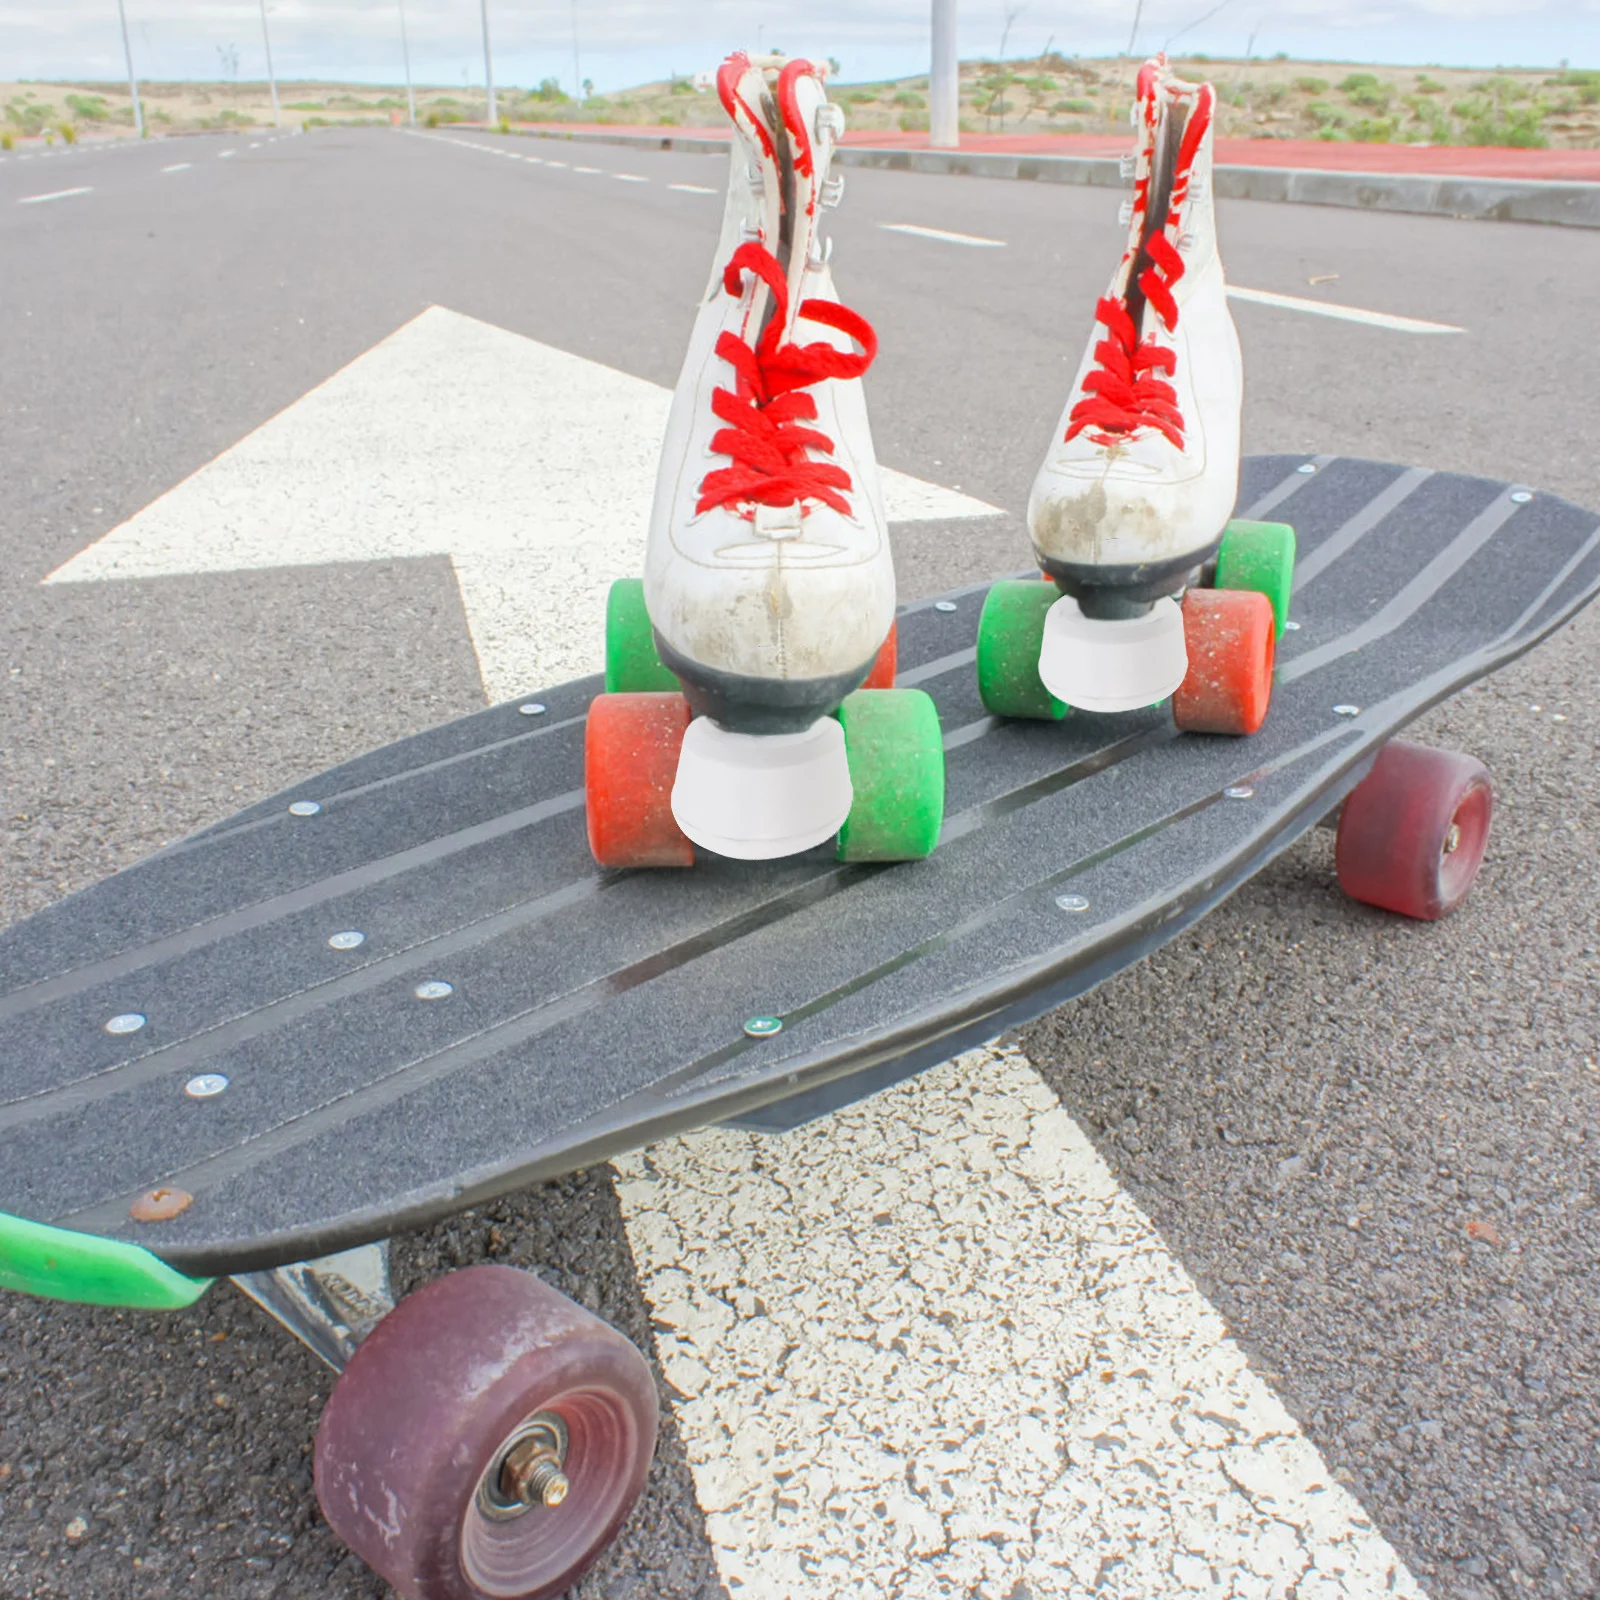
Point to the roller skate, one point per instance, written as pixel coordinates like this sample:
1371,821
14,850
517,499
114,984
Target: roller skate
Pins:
748,707
1152,592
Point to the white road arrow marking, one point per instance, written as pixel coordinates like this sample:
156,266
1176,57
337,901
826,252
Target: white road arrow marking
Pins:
928,1347
540,496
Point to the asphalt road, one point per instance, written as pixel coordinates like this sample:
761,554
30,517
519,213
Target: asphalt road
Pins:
1399,1081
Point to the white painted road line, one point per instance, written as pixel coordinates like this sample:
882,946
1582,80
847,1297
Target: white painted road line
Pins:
55,194
178,166
692,188
222,155
629,177
943,234
361,469
549,163
929,1348
591,170
1324,308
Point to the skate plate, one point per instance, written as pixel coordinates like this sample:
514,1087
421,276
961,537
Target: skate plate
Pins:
422,994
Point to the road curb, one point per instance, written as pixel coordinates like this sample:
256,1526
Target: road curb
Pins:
1573,205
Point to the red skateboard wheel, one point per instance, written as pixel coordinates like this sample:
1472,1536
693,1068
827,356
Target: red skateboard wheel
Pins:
1229,635
630,757
1412,833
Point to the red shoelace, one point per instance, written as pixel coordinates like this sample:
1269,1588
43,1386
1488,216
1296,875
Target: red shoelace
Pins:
766,437
1126,392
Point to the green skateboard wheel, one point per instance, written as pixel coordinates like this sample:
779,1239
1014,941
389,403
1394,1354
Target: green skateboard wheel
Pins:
1259,556
632,663
896,754
1010,632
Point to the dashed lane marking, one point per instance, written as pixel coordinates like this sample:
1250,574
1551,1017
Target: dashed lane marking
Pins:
927,1347
1325,308
692,188
223,155
943,235
178,166
55,194
629,177
591,170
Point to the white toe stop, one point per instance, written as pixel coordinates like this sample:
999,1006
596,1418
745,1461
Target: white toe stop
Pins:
755,796
1122,664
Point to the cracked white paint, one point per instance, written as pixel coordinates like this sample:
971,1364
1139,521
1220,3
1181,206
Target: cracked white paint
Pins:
927,1347
530,468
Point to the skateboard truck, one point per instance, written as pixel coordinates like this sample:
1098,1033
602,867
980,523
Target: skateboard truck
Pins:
330,1304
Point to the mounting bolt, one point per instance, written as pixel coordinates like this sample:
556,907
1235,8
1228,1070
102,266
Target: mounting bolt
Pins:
531,709
763,1027
1347,711
1521,496
304,808
126,1022
434,989
1306,466
944,605
1239,791
1072,902
206,1086
348,940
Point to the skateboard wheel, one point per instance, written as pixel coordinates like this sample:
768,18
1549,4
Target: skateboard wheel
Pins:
633,664
886,664
1259,556
1229,636
630,757
1413,831
487,1439
896,753
1010,633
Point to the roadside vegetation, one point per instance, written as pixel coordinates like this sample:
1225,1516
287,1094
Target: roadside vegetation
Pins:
1050,93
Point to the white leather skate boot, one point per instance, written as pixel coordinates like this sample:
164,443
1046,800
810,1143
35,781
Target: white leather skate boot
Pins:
1136,491
767,577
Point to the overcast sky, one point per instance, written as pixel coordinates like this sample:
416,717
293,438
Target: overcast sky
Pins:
623,42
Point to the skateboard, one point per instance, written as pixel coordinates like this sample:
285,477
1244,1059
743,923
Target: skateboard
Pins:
403,987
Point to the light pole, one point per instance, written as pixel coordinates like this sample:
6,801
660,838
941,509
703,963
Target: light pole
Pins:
944,82
405,51
133,82
272,81
577,70
488,64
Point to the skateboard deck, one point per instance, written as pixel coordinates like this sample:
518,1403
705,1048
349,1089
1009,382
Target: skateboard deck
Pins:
403,987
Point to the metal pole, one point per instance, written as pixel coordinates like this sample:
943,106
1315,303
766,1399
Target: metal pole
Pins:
405,51
488,64
944,82
266,39
133,82
577,70
1138,11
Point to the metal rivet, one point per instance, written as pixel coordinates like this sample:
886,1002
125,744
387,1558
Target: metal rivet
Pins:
434,989
1347,711
205,1086
1521,496
125,1022
1239,791
531,709
944,605
763,1027
304,808
1308,466
347,940
1072,902
1291,627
